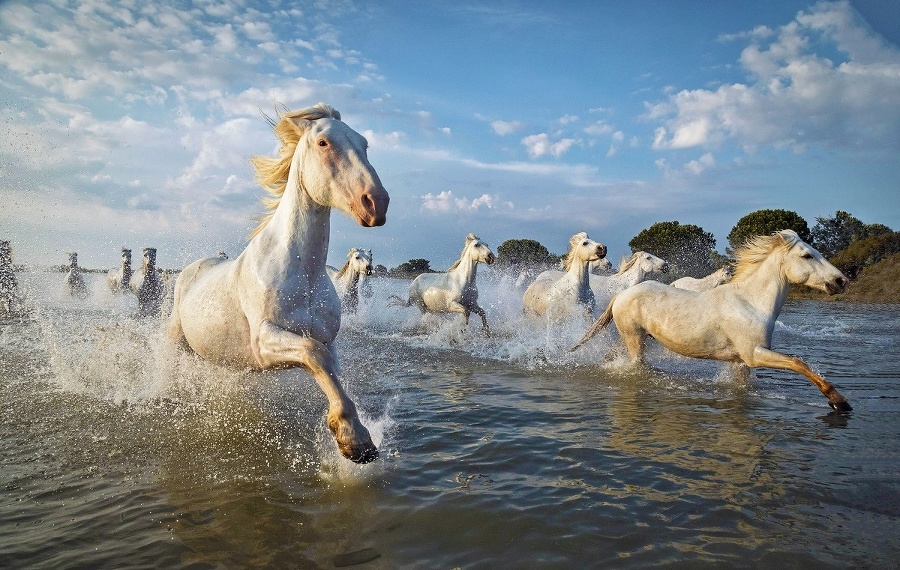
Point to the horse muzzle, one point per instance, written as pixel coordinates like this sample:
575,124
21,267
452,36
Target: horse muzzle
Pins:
490,259
371,208
838,285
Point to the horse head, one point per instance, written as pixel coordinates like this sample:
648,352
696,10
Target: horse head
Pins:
5,252
73,259
649,263
360,260
804,265
583,249
478,250
334,167
126,256
149,257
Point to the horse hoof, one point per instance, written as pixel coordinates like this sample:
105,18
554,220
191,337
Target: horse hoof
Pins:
841,406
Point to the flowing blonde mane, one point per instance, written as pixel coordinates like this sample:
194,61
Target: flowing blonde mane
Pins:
628,263
469,239
272,173
757,249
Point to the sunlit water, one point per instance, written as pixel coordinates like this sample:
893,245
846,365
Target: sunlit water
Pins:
117,450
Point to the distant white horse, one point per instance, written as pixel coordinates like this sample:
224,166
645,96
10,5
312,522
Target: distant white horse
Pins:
454,291
148,285
639,267
732,322
119,279
347,279
714,279
562,293
273,306
10,304
74,282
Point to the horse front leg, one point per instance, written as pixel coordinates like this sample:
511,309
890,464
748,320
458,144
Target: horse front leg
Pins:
484,326
279,348
771,359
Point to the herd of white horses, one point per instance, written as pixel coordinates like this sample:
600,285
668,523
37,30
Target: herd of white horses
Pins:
277,304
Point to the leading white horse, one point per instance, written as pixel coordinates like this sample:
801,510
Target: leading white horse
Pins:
273,306
454,291
74,283
561,293
119,279
714,279
732,322
637,268
348,279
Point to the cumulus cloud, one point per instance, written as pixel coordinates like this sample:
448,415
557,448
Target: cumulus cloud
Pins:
540,145
446,202
504,128
795,96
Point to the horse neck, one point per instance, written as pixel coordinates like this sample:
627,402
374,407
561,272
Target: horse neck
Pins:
581,271
126,267
767,287
296,237
466,271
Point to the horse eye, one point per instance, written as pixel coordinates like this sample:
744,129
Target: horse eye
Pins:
807,255
584,242
323,142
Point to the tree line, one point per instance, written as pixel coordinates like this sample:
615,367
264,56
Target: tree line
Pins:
847,242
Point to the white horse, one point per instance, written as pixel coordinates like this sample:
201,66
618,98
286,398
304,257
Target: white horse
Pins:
732,322
148,285
119,279
74,282
273,306
561,293
10,304
347,279
714,279
639,267
454,291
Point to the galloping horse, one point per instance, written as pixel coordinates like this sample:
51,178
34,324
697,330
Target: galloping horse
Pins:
348,279
454,291
9,286
734,321
273,306
639,267
148,285
561,292
74,282
714,279
119,279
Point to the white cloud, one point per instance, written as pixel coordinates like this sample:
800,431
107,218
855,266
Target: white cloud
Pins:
703,163
540,144
504,128
796,97
446,202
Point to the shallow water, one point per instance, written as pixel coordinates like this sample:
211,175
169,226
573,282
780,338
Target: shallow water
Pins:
116,450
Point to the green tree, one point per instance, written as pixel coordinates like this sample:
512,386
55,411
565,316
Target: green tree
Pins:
688,247
765,222
411,268
831,235
524,252
865,252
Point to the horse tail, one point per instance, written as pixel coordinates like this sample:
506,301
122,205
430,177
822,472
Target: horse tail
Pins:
598,326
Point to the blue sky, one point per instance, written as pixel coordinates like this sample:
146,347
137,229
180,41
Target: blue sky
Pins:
132,123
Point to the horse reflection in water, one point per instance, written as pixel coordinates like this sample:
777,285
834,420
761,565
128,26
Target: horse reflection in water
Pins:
148,285
119,279
454,291
273,306
561,293
732,322
348,279
74,282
